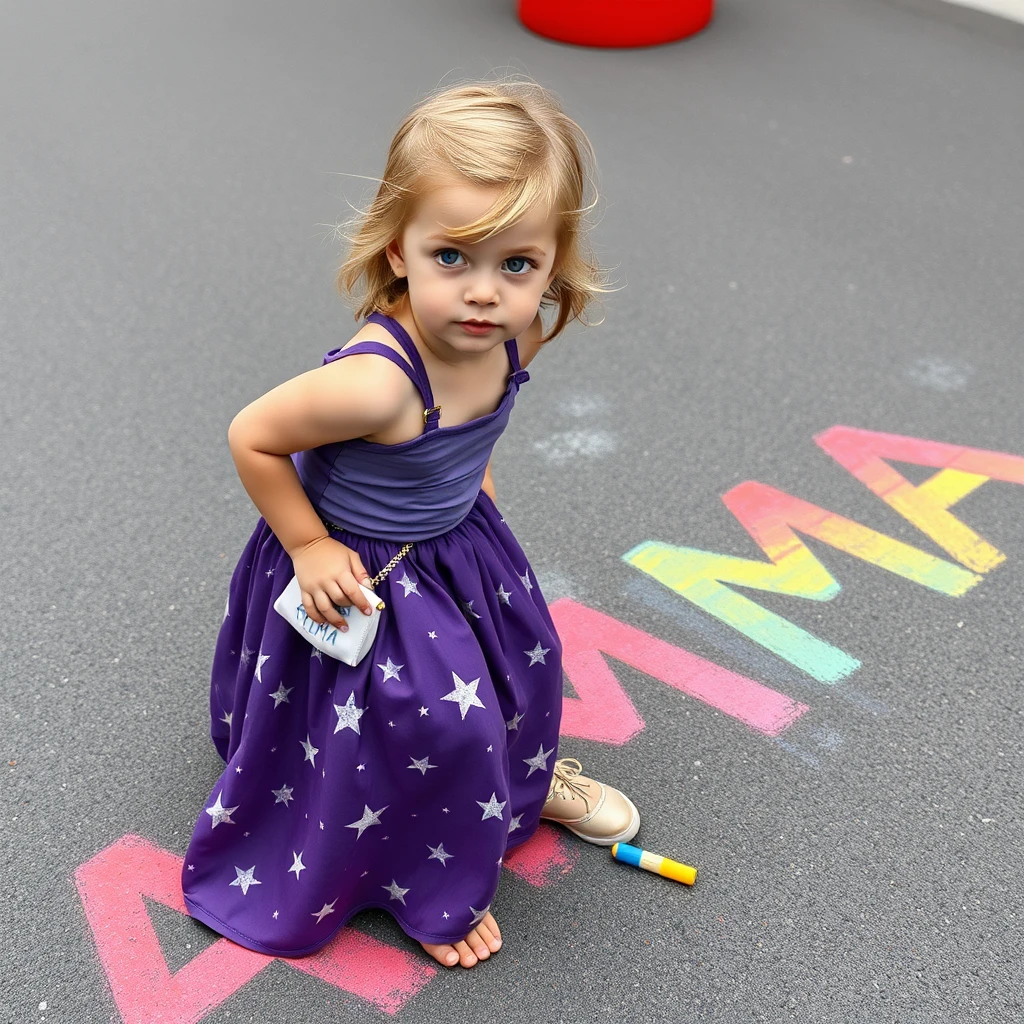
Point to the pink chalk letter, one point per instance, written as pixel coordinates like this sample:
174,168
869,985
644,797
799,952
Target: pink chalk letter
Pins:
111,886
604,712
383,975
544,858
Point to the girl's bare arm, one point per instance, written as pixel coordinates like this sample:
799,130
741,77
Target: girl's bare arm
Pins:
348,398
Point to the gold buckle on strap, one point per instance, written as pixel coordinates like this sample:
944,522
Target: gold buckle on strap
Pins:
427,412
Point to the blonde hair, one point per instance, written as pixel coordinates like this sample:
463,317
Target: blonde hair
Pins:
510,134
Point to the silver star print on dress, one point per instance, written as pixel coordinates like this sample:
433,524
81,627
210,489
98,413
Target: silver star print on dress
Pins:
421,765
397,892
281,694
245,879
327,908
439,853
464,695
539,761
310,750
537,654
260,659
409,586
283,795
349,714
391,671
492,809
297,866
369,818
221,814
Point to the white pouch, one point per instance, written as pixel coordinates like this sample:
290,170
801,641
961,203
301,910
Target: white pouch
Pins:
349,647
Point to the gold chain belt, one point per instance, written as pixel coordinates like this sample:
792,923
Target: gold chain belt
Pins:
387,568
394,561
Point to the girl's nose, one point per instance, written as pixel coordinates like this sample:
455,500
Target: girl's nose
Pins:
481,290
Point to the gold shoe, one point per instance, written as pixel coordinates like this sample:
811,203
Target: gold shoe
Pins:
608,816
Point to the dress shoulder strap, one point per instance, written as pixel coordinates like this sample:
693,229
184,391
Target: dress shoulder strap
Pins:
375,347
417,372
431,412
518,374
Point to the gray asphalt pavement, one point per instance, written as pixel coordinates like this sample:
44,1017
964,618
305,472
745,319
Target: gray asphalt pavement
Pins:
815,210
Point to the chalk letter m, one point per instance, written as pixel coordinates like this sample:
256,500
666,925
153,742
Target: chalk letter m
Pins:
772,517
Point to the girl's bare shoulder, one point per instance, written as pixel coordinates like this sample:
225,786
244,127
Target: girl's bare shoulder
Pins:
343,399
374,332
362,370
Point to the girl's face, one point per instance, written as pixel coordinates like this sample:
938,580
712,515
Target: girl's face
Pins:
465,298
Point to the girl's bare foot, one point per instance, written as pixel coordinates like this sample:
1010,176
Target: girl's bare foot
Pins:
479,944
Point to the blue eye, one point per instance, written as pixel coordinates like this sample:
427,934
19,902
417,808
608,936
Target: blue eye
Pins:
448,257
517,265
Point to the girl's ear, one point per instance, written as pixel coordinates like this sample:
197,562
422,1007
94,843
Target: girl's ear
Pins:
395,258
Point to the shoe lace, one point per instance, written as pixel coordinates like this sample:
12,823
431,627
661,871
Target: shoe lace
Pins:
563,784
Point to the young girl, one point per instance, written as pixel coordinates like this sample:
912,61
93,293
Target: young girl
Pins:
401,782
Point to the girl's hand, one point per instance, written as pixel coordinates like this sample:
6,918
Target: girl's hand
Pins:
329,574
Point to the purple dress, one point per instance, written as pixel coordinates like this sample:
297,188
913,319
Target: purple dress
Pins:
398,783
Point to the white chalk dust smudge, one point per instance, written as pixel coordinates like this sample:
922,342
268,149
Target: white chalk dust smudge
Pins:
584,405
568,444
940,374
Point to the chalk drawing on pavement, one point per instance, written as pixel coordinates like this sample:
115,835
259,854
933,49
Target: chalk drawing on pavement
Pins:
114,884
773,519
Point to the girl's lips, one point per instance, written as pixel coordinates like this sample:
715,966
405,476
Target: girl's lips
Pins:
477,327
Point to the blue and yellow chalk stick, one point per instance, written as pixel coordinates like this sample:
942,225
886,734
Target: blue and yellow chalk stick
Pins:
653,862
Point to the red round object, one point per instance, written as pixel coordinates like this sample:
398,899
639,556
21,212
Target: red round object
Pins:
615,23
